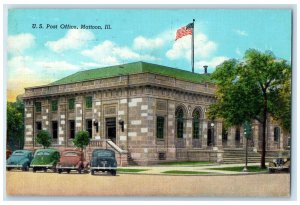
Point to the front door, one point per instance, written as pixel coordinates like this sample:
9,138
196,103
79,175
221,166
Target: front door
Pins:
111,129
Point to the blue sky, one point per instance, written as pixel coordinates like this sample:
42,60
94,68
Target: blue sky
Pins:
45,55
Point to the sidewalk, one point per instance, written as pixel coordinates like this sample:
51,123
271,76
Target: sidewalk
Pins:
206,169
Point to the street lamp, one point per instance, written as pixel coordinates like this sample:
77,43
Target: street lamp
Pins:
247,134
212,133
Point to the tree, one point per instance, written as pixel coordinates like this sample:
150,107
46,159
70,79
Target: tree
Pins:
252,89
81,139
43,138
15,124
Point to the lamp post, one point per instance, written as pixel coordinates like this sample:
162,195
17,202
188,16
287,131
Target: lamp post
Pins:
247,134
212,133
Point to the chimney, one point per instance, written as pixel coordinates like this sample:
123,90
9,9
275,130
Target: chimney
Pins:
205,69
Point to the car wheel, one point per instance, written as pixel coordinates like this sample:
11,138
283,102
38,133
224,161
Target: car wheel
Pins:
59,171
8,169
92,172
113,172
25,169
33,169
68,171
79,170
45,169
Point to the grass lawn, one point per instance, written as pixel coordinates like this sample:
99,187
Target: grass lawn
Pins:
185,172
132,170
240,169
188,163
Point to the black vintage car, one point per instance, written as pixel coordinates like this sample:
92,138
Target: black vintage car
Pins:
103,160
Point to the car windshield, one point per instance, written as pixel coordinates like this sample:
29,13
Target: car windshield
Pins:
18,153
70,154
42,153
104,154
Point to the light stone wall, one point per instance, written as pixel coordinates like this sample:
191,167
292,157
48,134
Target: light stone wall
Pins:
138,106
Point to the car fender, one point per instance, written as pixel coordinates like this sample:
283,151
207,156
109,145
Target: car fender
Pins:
79,164
23,162
85,164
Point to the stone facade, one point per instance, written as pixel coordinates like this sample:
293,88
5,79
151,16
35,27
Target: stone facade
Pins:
126,110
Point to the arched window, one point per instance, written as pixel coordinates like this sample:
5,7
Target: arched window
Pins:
196,124
179,122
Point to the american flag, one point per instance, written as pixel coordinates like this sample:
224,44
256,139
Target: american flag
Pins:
184,31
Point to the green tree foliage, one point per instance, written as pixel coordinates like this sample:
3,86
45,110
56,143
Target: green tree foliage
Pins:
43,138
15,124
81,139
253,88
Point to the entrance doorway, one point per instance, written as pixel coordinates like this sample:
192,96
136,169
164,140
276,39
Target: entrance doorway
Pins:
111,129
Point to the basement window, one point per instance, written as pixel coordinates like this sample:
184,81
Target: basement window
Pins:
161,156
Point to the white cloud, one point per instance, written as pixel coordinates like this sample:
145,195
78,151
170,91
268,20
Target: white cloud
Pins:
240,32
238,51
109,53
74,39
203,47
142,43
18,43
56,65
211,63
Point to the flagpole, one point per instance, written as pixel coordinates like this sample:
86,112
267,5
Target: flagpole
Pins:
193,45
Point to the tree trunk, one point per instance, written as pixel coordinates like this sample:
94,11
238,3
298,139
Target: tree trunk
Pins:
263,154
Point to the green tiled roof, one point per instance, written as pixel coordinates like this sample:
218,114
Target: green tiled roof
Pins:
133,68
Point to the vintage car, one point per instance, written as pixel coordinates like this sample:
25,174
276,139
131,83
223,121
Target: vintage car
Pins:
71,160
103,160
280,165
20,159
45,159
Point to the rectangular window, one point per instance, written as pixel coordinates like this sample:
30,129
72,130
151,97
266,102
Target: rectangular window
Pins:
71,103
89,127
54,105
54,130
160,121
38,106
72,129
88,102
276,134
38,126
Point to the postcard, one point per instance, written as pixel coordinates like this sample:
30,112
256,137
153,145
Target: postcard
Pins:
149,102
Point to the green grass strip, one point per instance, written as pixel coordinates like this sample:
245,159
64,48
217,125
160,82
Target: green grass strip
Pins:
132,170
185,163
240,169
185,172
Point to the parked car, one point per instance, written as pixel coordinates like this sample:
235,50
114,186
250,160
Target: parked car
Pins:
20,159
71,160
280,165
103,160
45,159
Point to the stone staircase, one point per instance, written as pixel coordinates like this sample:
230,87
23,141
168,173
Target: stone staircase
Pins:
238,155
121,155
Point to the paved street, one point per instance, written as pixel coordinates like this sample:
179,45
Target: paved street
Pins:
28,183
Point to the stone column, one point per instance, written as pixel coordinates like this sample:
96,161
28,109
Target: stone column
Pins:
188,132
122,115
29,124
62,133
78,113
45,116
218,134
255,136
97,117
171,155
231,137
204,134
